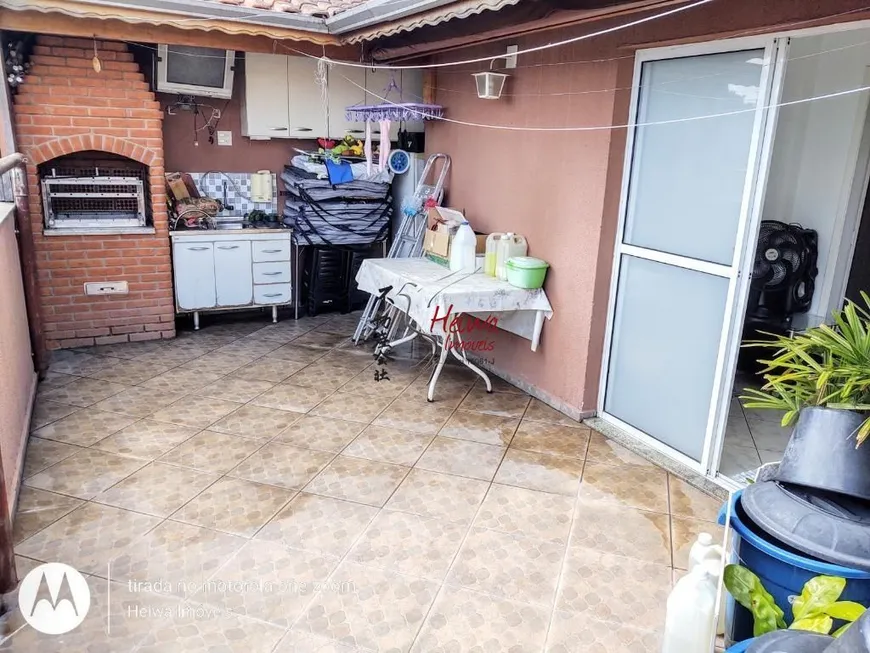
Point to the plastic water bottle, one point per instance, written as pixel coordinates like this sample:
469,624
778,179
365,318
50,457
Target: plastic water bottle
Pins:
689,624
704,549
462,249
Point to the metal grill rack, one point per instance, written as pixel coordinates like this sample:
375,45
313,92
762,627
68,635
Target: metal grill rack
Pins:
93,202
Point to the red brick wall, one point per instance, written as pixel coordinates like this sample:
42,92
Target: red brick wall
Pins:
64,106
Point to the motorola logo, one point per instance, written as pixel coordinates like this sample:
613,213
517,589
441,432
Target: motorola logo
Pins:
54,598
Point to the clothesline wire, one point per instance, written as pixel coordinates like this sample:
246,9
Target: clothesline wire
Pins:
423,115
538,48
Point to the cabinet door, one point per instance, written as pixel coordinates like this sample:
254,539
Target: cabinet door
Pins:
307,112
342,94
412,90
265,110
410,83
193,266
233,275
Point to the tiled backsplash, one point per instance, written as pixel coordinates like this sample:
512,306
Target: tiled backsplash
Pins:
238,193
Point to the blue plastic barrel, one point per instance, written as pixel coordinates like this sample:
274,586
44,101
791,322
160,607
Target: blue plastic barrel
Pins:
782,572
740,647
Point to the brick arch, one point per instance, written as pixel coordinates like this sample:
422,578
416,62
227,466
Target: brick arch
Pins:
69,144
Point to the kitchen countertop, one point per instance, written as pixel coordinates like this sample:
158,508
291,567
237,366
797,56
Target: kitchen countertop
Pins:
186,233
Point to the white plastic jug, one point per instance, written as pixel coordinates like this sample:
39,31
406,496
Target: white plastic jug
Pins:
462,249
704,550
689,624
489,260
509,246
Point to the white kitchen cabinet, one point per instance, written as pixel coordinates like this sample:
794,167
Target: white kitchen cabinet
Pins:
233,275
410,83
346,88
266,104
194,276
231,269
306,109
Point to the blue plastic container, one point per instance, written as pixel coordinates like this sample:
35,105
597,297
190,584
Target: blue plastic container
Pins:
782,571
740,647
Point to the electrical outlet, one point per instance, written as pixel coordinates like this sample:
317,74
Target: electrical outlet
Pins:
225,138
106,288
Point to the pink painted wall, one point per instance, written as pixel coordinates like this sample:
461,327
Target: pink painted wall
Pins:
17,378
561,189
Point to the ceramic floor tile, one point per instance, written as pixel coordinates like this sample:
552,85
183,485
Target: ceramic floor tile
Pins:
687,501
269,582
195,627
538,411
616,589
321,433
439,495
214,363
318,524
88,538
131,372
71,362
85,427
607,452
526,512
461,457
511,566
370,608
46,412
85,473
179,382
738,461
447,394
211,452
551,438
770,456
737,428
569,634
684,532
195,411
138,401
296,398
234,506
767,431
297,353
628,532
539,471
37,509
352,360
365,384
480,427
321,339
156,489
42,454
235,389
629,485
53,380
356,408
461,620
146,439
322,375
502,404
388,445
84,392
283,465
298,642
179,556
250,348
412,416
409,544
354,479
499,385
256,422
267,369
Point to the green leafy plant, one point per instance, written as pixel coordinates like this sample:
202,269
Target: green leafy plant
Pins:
826,366
814,609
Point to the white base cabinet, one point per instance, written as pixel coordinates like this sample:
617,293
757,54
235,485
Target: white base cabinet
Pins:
226,270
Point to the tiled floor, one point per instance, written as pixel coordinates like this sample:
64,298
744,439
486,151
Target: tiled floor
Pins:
752,437
251,488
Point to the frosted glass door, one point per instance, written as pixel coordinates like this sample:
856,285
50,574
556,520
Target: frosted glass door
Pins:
693,162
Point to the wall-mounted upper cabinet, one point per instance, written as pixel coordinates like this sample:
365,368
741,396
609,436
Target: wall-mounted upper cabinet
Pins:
283,99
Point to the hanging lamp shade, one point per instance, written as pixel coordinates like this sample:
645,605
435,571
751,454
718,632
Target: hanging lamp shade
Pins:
489,84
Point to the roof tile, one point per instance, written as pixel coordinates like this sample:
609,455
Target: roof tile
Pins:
307,7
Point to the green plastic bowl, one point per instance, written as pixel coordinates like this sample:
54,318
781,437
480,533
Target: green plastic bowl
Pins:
526,272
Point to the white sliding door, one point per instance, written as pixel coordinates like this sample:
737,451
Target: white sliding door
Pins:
692,169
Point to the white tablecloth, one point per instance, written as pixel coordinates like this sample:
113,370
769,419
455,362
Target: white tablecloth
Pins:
433,291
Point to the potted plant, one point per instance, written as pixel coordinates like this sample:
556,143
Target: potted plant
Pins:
821,377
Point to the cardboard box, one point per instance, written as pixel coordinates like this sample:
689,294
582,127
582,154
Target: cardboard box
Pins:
441,223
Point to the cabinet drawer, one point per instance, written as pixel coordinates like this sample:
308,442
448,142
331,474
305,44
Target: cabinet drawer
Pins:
275,293
271,250
272,272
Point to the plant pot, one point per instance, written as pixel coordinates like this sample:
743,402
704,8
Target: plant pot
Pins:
782,571
822,454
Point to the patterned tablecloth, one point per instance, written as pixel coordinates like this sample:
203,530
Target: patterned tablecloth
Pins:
428,292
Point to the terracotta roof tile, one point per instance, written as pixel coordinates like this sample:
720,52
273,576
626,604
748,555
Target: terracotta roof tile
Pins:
320,8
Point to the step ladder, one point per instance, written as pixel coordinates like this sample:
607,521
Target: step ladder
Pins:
408,241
